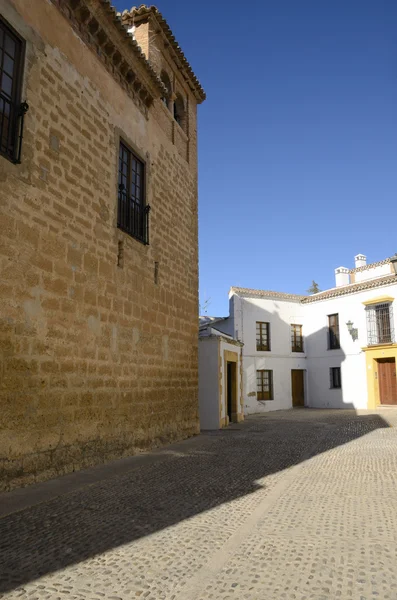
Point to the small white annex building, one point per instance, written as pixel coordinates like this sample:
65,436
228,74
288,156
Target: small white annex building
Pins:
220,376
334,349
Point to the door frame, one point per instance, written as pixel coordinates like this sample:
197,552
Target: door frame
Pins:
303,371
385,360
231,358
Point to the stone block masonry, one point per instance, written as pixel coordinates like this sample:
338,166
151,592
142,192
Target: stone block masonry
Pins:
98,332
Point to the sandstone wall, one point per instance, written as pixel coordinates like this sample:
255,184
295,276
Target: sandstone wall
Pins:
98,358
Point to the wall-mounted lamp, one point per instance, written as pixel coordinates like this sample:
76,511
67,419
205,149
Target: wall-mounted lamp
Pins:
352,330
393,261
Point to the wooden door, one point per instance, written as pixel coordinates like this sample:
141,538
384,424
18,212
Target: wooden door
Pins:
387,381
298,387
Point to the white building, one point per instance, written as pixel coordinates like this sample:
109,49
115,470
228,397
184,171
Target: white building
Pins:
334,349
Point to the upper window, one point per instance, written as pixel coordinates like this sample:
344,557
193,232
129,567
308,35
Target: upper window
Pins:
262,336
167,82
380,324
296,338
264,385
11,110
179,111
132,213
333,332
335,378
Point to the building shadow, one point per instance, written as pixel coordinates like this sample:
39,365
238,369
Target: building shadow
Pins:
194,476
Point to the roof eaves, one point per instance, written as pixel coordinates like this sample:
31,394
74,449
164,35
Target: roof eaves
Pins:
352,288
371,266
146,11
155,79
248,292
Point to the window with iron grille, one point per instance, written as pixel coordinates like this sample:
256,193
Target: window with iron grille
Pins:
132,213
333,332
296,338
264,385
380,324
12,112
262,336
335,378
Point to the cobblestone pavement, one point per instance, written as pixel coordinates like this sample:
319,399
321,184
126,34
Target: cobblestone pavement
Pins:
293,505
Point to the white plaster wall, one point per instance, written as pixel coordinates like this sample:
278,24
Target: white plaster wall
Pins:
232,348
208,383
350,357
280,314
379,271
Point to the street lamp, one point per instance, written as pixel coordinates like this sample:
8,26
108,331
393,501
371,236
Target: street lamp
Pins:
352,330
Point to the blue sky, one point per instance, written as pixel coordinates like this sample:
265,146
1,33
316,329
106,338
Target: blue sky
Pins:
297,138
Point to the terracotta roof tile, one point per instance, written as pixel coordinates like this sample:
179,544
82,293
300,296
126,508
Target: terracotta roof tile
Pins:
266,294
116,17
352,288
147,11
370,266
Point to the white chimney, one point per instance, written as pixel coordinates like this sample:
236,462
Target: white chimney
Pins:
342,276
360,261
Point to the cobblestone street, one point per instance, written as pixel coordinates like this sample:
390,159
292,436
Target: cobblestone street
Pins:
293,505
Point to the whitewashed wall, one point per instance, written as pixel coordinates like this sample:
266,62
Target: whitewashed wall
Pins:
280,314
208,383
373,272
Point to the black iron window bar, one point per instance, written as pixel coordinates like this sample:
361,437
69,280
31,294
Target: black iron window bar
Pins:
133,217
11,128
380,324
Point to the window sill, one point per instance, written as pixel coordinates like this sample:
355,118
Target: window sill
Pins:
132,236
167,111
181,132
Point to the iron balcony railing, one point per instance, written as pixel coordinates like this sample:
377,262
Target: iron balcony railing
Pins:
11,128
133,217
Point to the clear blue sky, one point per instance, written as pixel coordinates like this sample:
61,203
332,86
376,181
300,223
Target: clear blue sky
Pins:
297,138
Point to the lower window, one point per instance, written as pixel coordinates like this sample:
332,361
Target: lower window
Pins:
335,378
264,385
132,213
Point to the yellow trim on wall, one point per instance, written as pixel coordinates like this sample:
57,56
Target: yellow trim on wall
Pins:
379,300
372,355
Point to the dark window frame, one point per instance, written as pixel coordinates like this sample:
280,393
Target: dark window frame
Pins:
296,340
12,146
261,346
333,332
132,209
335,377
261,384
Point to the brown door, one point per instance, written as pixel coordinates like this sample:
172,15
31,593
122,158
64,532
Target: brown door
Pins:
298,389
387,381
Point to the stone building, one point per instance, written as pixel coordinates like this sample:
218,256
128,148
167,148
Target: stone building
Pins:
98,236
333,349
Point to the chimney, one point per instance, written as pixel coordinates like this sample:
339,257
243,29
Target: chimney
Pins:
360,261
342,276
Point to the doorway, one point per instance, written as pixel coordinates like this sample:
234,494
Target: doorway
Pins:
387,381
231,391
298,387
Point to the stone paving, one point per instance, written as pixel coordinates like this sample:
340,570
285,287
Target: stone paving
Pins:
292,505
